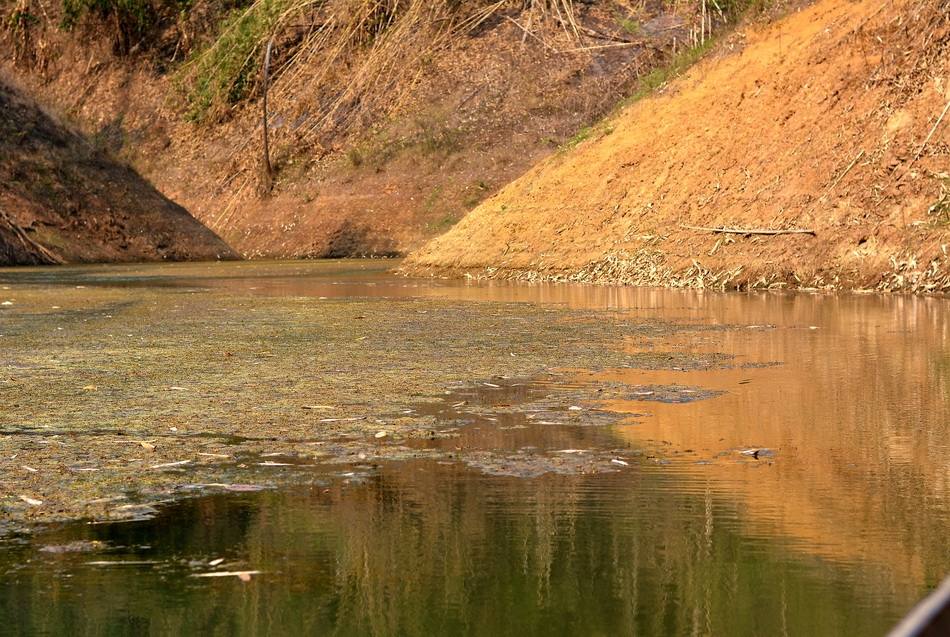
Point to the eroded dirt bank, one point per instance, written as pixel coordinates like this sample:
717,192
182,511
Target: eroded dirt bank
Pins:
61,200
832,120
379,140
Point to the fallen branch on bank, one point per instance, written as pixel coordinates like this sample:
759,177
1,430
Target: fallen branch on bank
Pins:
932,131
765,231
28,242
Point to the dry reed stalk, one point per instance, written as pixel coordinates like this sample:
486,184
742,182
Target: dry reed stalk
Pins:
389,40
357,61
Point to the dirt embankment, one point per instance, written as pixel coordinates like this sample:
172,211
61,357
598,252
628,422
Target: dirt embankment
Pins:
386,129
61,200
833,120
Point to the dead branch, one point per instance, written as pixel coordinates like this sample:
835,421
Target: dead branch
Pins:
526,32
763,231
28,241
613,45
268,168
932,131
846,170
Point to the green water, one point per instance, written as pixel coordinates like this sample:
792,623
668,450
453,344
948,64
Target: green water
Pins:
836,529
430,549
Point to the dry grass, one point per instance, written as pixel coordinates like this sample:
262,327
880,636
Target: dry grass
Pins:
366,48
862,159
342,67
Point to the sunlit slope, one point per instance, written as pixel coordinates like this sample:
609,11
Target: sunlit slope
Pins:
827,120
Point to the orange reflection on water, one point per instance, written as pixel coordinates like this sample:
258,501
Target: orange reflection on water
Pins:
853,424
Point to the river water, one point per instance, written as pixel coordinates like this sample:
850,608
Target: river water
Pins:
781,467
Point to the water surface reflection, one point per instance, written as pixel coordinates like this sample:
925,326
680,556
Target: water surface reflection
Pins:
837,527
425,548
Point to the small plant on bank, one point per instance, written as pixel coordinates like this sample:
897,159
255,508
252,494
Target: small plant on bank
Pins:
631,26
19,23
940,210
20,19
659,77
355,157
225,73
476,193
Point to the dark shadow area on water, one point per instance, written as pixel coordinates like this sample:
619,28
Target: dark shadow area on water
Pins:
432,548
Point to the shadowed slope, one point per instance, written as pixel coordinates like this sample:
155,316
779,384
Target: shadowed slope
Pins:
61,200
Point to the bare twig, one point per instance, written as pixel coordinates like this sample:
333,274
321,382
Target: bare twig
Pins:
517,24
613,45
932,131
920,150
846,171
268,168
28,241
764,231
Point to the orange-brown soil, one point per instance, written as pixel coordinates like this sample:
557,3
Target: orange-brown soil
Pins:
474,115
61,200
828,120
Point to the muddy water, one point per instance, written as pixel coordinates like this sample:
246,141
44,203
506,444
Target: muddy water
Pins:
706,463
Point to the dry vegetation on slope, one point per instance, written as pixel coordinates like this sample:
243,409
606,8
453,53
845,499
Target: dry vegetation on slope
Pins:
833,119
389,120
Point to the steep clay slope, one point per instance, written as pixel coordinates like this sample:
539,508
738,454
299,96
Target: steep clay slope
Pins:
362,167
61,200
826,120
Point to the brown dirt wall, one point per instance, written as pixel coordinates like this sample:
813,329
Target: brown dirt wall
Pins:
475,114
62,200
828,120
